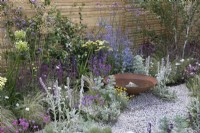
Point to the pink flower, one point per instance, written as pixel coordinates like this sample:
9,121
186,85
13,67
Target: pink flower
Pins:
15,122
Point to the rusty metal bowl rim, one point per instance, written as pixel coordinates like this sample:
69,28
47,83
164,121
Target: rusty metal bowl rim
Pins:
142,77
131,76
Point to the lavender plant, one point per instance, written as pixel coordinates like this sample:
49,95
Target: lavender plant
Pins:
98,65
127,60
121,55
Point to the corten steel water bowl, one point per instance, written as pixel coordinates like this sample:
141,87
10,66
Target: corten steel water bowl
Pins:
135,83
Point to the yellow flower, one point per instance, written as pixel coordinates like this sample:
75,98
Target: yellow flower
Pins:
2,82
20,34
21,46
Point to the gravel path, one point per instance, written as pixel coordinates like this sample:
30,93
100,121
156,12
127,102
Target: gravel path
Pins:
146,108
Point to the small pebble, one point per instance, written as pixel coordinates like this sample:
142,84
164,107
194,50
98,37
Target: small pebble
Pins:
146,108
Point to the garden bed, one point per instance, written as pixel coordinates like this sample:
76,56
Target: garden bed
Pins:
146,108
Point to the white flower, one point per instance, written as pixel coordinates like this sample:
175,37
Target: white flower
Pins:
68,45
59,88
57,67
49,88
182,60
6,97
17,104
27,109
177,64
65,87
192,73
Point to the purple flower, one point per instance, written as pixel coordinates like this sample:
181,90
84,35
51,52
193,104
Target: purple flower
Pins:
24,22
3,1
99,66
46,118
115,4
146,49
1,129
90,99
33,1
35,127
127,59
33,121
98,3
15,122
23,123
39,50
138,12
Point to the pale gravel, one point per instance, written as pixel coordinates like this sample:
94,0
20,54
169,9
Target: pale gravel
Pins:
146,108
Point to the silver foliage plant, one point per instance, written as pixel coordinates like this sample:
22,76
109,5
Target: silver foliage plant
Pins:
65,117
194,115
163,72
138,66
113,103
